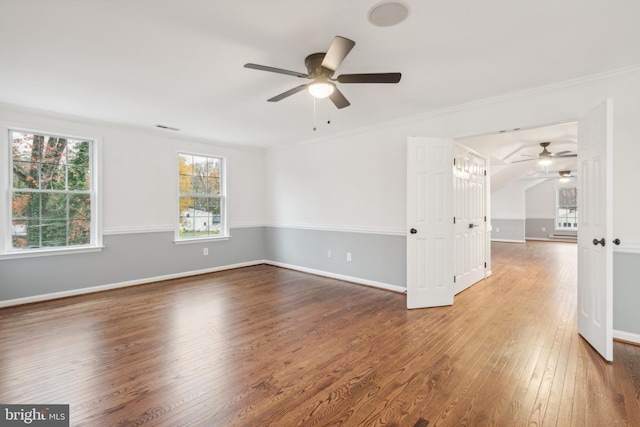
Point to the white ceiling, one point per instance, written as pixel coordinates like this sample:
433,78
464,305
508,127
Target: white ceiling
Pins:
180,63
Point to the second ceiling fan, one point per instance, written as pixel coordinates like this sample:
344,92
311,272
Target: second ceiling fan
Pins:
545,157
320,69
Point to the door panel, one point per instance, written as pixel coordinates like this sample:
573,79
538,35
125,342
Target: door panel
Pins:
595,219
430,214
469,212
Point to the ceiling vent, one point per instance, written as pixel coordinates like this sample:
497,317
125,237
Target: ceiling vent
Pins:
167,127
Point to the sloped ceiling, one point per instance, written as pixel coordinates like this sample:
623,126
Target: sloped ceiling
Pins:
513,155
180,63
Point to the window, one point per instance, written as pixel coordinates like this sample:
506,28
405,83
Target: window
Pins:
201,197
52,192
567,208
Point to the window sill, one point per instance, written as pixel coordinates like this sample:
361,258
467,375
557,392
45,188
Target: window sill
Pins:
50,252
201,240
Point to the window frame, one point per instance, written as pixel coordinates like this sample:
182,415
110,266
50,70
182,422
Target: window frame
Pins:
223,197
7,251
557,207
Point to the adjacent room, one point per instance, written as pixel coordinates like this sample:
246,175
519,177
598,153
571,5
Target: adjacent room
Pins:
278,213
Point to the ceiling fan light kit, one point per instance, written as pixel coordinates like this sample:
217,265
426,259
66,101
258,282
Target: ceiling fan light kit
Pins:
320,89
565,176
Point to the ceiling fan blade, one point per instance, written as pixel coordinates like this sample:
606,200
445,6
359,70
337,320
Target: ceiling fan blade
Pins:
370,78
276,70
560,153
526,160
290,92
339,49
338,99
565,155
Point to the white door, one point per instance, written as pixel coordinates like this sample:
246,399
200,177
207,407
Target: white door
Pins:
469,214
595,255
429,222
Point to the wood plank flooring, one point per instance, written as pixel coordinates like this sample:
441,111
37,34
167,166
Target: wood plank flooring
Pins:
262,346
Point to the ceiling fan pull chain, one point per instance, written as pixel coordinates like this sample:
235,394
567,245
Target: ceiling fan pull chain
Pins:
314,114
328,112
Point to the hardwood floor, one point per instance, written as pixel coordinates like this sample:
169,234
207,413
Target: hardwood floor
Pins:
264,346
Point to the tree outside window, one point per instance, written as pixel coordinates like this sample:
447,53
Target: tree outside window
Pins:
201,197
51,191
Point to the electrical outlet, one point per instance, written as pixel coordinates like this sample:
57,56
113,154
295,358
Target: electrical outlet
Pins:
348,256
205,251
329,253
544,229
497,229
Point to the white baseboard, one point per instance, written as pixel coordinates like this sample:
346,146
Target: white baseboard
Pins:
351,279
626,336
82,291
74,292
508,241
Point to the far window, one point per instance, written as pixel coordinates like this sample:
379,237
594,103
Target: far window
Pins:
202,197
52,192
567,208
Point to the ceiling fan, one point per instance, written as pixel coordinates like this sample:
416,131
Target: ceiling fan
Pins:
320,69
545,157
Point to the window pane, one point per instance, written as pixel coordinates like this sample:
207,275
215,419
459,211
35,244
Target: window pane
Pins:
22,147
213,185
80,232
53,176
25,175
78,159
200,185
18,242
22,205
186,184
54,233
54,206
80,206
33,233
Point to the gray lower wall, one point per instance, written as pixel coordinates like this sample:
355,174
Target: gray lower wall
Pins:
126,257
534,228
626,292
376,257
507,229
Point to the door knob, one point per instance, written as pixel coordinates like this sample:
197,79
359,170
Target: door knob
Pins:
413,231
472,225
616,242
597,242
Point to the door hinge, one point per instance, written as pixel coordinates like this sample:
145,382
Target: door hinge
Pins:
454,279
454,219
454,161
485,219
485,172
485,265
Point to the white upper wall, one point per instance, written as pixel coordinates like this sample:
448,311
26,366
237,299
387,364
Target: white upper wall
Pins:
540,200
345,184
358,180
139,172
509,201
